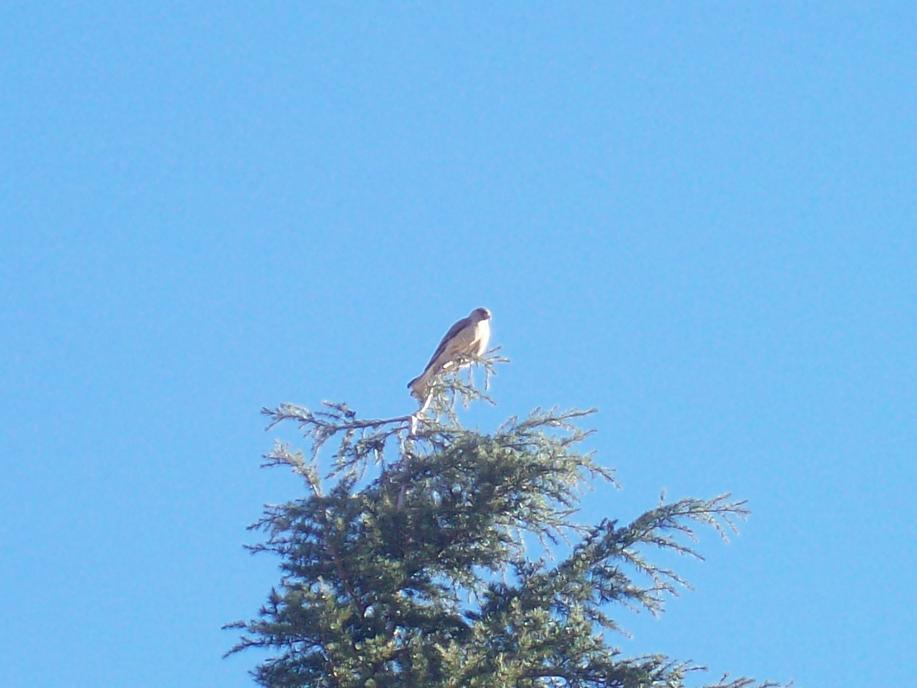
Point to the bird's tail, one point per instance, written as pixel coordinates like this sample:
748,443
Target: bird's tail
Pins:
418,387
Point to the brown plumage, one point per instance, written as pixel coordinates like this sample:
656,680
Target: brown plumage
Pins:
468,337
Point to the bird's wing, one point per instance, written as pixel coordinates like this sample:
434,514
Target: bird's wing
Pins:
449,336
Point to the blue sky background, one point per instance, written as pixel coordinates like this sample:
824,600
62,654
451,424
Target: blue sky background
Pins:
700,218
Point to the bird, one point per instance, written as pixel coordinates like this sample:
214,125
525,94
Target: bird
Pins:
466,338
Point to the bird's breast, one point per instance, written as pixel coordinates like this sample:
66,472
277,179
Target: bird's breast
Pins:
482,337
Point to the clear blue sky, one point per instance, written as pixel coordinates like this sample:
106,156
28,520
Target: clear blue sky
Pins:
699,217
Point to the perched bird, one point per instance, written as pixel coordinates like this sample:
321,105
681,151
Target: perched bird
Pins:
468,337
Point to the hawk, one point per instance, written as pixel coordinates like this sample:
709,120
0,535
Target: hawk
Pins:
468,337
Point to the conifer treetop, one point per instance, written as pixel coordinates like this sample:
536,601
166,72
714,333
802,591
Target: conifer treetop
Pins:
405,563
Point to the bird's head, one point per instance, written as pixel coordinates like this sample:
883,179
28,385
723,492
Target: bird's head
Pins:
480,314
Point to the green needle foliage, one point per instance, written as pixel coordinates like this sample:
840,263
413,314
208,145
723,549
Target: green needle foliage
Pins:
406,564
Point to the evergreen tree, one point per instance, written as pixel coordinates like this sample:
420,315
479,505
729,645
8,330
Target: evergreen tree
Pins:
407,564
